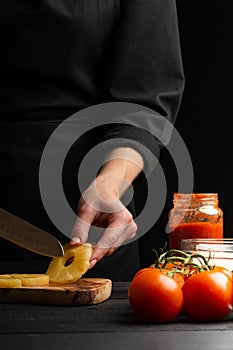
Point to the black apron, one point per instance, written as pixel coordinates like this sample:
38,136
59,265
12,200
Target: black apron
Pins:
61,56
21,148
44,82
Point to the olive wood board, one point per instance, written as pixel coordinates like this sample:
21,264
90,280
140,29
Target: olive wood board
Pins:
86,291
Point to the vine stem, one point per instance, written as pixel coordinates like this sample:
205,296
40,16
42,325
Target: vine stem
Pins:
182,262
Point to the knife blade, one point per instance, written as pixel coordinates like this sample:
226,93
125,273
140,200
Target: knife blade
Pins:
28,236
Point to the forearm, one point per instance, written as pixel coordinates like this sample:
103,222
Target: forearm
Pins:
121,167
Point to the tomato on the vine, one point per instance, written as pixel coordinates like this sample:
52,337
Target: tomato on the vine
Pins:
154,296
208,295
177,276
224,270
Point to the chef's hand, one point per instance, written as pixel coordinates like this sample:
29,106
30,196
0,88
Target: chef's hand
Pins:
100,204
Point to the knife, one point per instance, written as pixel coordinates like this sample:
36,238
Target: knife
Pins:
28,236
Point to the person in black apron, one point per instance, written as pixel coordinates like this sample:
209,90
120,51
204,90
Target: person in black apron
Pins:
59,57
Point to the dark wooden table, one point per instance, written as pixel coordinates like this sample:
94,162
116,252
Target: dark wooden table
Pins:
110,325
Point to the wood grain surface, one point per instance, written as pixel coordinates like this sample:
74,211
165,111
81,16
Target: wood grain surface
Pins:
85,291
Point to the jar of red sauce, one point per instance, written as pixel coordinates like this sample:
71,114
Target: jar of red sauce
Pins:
194,215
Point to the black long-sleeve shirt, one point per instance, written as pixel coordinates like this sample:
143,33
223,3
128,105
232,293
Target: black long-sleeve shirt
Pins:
61,56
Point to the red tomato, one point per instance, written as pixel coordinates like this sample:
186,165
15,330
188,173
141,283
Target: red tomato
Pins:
224,270
228,273
143,270
154,296
178,277
208,295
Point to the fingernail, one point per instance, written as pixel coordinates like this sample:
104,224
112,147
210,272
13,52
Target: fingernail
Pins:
92,263
75,240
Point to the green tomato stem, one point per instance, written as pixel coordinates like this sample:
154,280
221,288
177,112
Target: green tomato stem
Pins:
182,261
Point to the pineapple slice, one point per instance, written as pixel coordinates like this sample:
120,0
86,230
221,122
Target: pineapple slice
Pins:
9,282
32,279
72,265
5,275
23,279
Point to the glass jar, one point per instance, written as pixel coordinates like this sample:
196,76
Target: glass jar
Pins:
194,215
218,252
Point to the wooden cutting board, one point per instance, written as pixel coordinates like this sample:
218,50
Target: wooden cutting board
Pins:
85,291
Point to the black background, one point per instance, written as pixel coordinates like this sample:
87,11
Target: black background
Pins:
205,117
